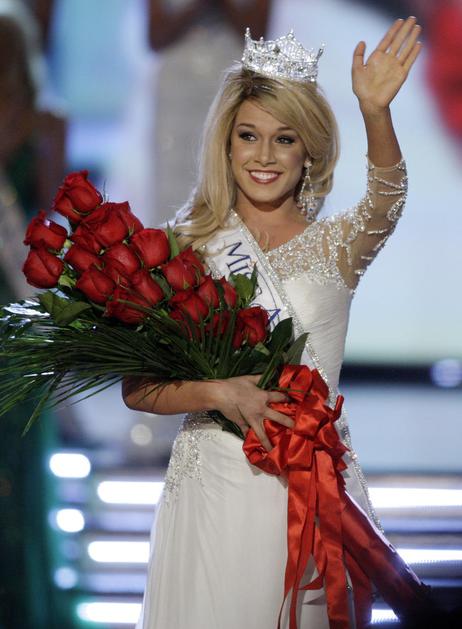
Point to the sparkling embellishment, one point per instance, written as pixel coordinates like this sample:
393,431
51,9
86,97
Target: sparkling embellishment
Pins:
283,58
305,254
185,460
338,249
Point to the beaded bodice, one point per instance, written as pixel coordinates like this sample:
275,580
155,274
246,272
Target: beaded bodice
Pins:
338,249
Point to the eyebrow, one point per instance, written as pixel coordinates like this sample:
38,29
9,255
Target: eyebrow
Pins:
248,124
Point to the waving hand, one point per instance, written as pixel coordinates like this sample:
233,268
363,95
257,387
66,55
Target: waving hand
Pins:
377,80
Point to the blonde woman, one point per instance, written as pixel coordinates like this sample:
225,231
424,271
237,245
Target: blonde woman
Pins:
269,150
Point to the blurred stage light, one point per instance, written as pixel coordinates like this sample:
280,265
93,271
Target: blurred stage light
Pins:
65,578
70,465
383,615
447,373
118,551
70,520
109,612
429,555
404,497
141,435
130,492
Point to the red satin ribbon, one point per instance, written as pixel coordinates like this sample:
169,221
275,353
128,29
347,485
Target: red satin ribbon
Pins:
310,456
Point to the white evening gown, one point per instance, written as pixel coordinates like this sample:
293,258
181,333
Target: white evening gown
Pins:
218,547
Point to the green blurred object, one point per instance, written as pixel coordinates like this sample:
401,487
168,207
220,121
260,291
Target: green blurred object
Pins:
28,598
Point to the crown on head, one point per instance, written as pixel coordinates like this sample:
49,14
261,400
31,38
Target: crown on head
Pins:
282,58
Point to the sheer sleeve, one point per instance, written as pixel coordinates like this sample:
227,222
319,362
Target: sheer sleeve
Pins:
354,238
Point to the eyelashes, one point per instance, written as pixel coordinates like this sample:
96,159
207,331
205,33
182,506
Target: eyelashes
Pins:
282,139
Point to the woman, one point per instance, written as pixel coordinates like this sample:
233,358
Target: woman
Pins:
269,150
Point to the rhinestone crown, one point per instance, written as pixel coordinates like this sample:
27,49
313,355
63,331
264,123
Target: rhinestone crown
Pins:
282,58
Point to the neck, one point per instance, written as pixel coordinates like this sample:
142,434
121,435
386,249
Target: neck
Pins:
268,214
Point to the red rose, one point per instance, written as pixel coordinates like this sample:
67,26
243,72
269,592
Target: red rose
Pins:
230,294
76,197
152,246
106,224
191,304
132,223
190,259
219,323
251,326
41,231
208,292
145,286
178,275
95,285
124,312
41,268
116,276
81,259
83,237
122,258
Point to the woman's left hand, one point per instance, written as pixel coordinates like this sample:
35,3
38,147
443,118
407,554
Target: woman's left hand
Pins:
377,81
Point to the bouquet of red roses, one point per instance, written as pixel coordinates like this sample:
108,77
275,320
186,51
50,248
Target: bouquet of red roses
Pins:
123,300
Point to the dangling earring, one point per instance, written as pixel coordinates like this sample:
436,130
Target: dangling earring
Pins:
306,200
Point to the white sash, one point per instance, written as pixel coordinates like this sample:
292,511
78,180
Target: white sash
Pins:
233,249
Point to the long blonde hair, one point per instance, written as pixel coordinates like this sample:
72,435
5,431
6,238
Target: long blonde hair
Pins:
301,106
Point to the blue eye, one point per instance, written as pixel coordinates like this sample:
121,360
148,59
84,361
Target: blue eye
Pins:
285,139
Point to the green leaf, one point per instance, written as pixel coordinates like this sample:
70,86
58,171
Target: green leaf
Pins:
71,312
174,247
259,347
281,335
47,300
62,309
295,351
66,281
244,287
165,286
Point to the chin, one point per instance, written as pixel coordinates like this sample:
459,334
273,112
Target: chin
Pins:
265,196
269,199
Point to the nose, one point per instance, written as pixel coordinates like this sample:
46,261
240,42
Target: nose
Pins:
265,155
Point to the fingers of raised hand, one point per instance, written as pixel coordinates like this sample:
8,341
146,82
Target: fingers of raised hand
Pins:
358,55
414,53
404,38
409,43
389,35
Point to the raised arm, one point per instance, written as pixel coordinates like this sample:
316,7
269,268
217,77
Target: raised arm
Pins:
377,81
355,238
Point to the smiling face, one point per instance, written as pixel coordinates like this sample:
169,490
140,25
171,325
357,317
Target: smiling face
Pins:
267,159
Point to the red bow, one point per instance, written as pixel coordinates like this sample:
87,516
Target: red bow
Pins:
310,456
